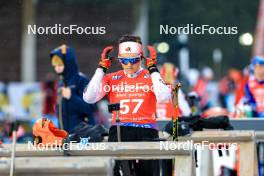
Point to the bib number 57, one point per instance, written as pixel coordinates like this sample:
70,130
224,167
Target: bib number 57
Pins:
125,108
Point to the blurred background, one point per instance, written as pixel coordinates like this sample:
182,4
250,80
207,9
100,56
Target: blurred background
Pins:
139,17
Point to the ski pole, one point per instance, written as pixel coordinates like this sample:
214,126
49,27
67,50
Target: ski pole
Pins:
63,51
60,108
14,135
175,114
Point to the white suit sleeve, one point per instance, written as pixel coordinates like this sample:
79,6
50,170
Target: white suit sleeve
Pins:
183,104
161,90
94,90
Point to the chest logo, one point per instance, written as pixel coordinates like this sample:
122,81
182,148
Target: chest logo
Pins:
116,77
146,76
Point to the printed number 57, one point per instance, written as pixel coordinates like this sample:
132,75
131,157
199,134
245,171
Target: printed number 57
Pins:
124,107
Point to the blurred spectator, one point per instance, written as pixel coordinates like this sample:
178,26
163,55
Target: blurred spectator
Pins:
6,133
231,89
49,89
224,89
4,101
71,86
254,89
201,87
193,76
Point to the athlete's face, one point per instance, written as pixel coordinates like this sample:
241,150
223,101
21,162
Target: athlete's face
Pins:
131,68
58,68
57,64
259,72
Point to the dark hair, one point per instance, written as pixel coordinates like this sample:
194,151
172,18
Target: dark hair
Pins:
129,38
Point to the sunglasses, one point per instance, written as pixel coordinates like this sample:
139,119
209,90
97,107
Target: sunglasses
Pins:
125,61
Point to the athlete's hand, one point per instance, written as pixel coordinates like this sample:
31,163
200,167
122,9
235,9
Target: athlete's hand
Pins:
105,61
151,61
66,92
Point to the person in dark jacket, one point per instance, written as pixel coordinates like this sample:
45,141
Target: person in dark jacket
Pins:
74,109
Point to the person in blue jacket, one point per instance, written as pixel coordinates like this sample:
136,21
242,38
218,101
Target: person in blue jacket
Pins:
254,89
74,109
